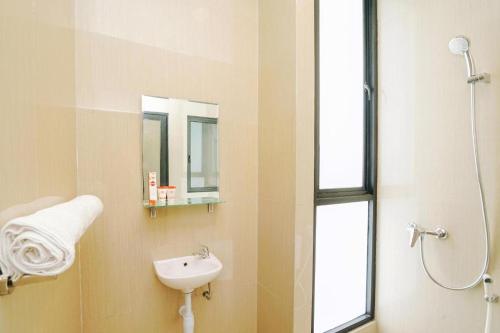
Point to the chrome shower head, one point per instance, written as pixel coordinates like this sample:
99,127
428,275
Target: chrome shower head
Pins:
460,46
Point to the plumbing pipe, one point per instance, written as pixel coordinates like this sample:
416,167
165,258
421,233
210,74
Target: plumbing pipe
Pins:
186,312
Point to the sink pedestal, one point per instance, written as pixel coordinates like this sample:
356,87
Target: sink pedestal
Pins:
186,312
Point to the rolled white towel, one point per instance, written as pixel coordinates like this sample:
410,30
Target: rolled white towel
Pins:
44,243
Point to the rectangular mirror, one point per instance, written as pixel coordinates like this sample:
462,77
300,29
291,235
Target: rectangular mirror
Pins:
181,145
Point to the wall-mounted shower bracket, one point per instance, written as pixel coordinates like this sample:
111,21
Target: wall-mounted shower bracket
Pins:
491,299
483,77
489,296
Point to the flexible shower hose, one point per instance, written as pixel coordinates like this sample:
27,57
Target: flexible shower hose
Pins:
479,181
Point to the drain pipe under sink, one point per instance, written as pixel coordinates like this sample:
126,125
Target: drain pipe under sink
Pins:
186,312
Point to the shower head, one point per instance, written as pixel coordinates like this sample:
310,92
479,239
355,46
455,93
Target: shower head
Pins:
460,46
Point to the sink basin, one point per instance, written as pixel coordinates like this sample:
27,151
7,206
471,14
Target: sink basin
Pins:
187,273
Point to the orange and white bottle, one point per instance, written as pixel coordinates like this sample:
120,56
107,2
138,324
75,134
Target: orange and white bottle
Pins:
153,189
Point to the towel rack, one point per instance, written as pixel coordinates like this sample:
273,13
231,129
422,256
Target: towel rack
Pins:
7,284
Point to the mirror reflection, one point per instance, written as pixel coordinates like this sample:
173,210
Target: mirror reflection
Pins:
180,150
203,168
155,154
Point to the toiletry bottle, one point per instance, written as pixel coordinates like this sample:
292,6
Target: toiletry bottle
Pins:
153,191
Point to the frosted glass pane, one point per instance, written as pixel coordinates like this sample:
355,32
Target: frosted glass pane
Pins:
341,264
204,170
341,93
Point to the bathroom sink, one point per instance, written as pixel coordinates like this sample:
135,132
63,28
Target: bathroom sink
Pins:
188,273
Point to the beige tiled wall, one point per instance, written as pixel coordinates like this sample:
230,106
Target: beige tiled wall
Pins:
37,147
426,171
186,49
286,165
277,119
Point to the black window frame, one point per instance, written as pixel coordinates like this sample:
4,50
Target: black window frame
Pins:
368,192
203,120
163,119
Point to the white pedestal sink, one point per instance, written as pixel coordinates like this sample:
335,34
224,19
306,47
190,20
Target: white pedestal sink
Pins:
187,274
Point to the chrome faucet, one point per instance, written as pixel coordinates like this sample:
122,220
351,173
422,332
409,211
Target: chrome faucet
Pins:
203,252
416,232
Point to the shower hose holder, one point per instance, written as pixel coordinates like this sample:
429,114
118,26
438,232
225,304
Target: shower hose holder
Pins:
484,77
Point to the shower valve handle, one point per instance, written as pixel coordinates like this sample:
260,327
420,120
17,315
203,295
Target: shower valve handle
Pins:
416,232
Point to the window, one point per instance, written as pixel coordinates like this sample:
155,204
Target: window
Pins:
203,165
345,165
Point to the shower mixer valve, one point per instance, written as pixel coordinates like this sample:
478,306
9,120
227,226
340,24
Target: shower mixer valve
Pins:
416,232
